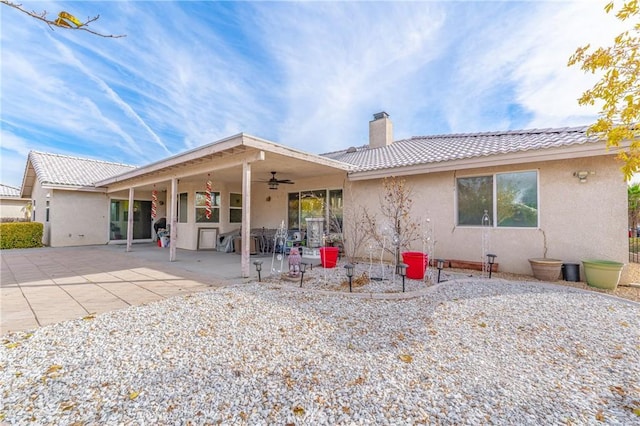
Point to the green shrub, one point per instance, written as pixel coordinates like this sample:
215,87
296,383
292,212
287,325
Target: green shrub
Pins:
20,235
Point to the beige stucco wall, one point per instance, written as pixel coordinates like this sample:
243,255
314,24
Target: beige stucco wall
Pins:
12,207
187,233
39,197
186,236
78,218
579,220
75,217
268,207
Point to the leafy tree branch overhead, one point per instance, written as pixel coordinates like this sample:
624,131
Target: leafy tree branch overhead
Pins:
619,87
63,20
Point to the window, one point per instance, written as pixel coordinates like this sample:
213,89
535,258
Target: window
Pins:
308,204
183,207
510,199
312,204
294,210
517,195
235,208
201,216
46,219
475,195
335,210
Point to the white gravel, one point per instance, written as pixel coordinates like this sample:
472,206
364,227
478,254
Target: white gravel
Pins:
467,351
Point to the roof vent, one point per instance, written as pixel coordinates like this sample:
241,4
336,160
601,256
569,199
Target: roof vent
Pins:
351,149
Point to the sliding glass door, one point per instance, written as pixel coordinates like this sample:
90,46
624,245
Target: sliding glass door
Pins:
119,216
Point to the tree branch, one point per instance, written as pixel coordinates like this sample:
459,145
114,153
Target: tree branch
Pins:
64,20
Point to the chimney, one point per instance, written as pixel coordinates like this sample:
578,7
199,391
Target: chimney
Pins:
380,130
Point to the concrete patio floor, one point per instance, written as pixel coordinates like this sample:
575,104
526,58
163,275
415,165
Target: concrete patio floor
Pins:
49,285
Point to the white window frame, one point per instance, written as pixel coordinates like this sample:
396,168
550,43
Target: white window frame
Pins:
494,195
216,201
231,196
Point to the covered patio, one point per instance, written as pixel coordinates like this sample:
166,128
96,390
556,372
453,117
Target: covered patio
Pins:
237,172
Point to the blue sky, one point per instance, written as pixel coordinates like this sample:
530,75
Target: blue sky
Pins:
308,75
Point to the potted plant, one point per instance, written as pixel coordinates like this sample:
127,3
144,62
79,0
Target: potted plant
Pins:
543,268
546,269
603,274
329,256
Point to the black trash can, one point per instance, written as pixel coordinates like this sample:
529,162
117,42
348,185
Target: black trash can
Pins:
571,272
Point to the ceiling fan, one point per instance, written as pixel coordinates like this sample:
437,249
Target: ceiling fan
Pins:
273,182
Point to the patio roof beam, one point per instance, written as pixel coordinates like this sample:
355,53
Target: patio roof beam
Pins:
185,171
177,160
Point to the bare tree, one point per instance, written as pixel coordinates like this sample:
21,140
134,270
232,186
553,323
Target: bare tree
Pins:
355,235
396,228
64,20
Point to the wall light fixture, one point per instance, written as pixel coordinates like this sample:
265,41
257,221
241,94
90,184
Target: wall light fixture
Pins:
582,175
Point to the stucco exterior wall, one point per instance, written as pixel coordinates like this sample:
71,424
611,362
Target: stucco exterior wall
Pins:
12,207
268,207
38,199
78,218
187,233
576,220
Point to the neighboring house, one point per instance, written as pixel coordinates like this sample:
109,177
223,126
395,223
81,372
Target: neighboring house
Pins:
12,206
553,192
65,199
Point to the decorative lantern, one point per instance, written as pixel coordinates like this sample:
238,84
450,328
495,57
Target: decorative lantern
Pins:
402,269
258,264
349,267
303,268
491,259
440,265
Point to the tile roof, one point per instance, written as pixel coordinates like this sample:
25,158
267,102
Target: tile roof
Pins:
434,149
58,169
9,191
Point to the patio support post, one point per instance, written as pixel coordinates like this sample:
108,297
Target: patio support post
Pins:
246,220
130,220
173,219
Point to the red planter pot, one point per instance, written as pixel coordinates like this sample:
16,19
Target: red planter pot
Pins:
416,264
329,256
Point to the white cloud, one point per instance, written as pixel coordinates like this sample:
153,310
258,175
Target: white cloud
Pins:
309,75
340,60
526,54
13,157
546,85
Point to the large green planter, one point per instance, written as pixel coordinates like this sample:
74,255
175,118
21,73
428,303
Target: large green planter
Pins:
603,274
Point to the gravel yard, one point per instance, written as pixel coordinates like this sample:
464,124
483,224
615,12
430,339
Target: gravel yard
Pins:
467,351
